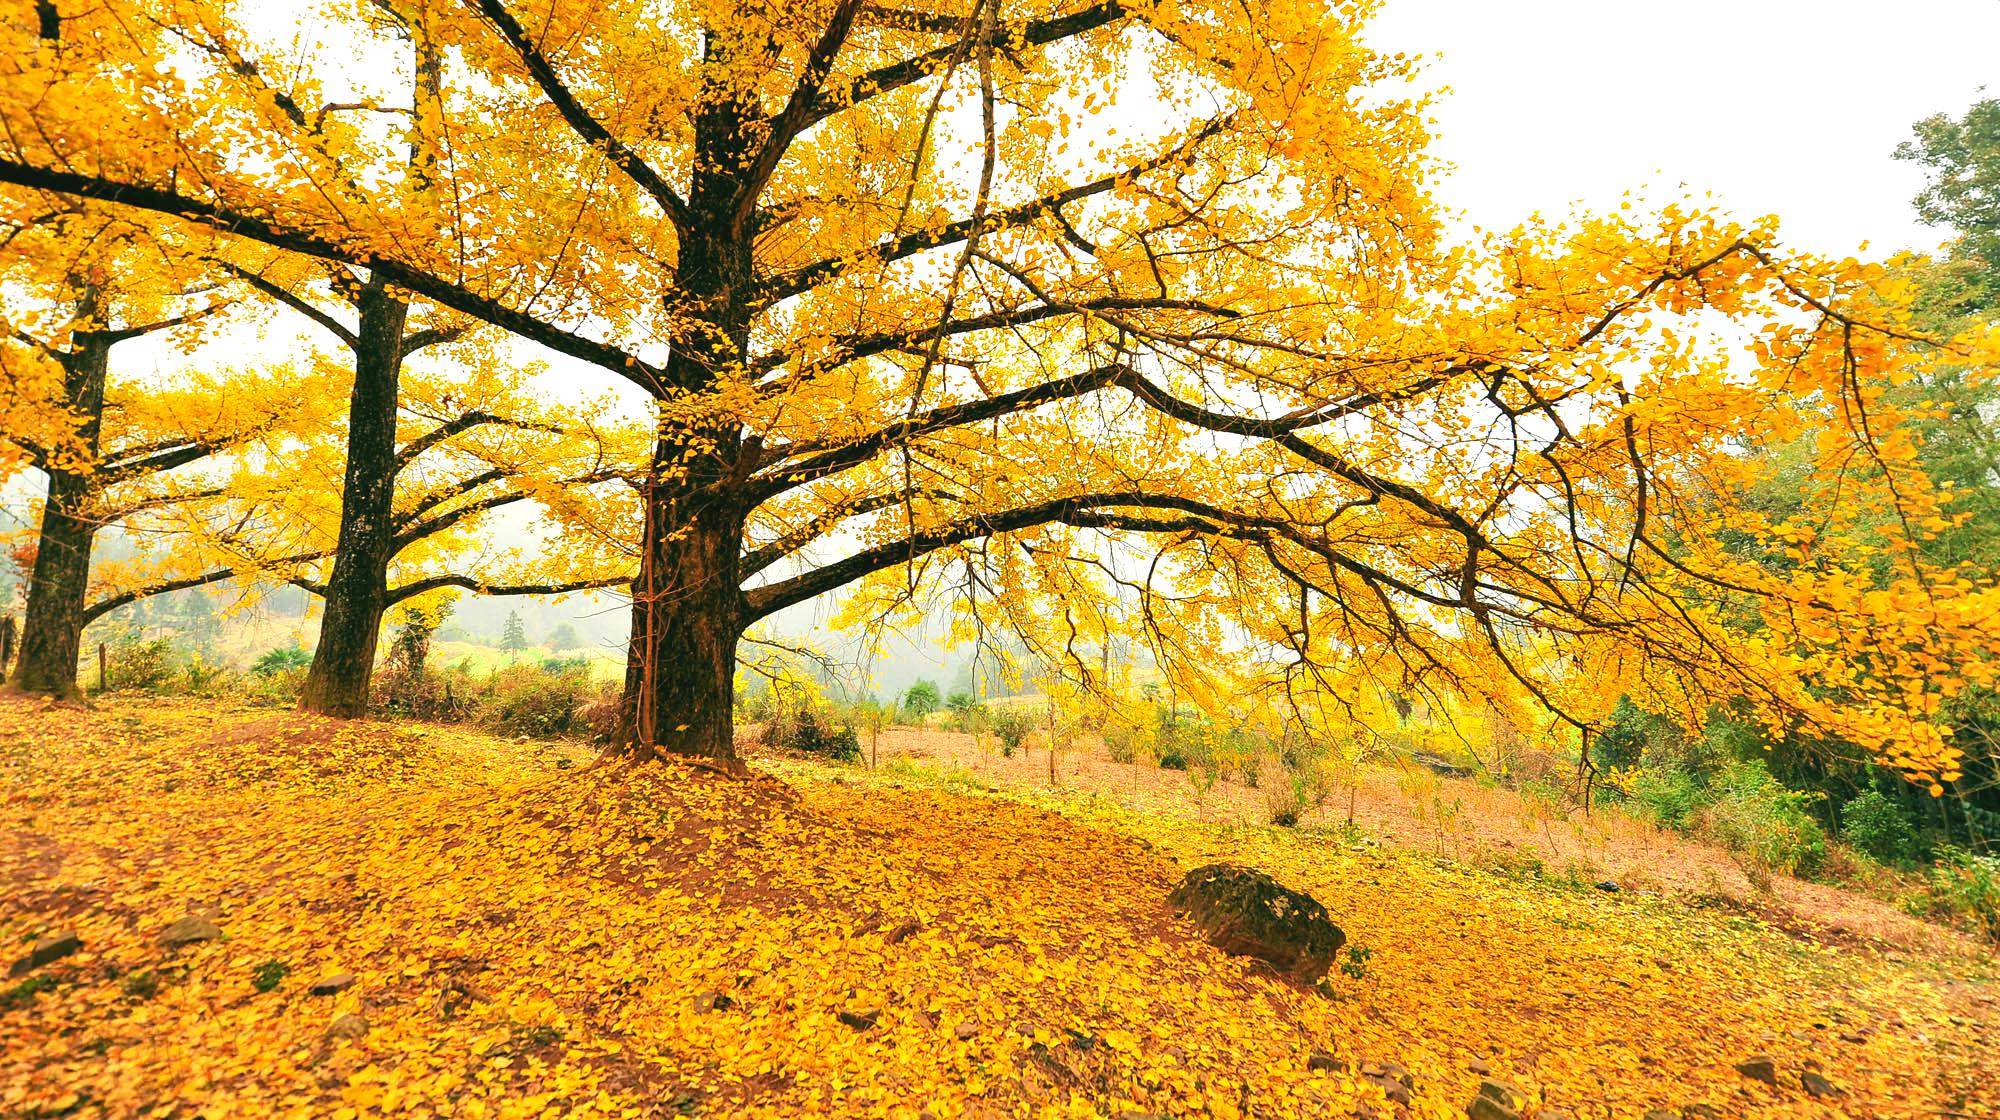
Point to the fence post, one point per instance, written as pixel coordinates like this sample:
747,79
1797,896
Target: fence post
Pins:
103,668
6,644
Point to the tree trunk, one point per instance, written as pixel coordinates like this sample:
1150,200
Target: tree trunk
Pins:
687,603
687,617
357,590
52,630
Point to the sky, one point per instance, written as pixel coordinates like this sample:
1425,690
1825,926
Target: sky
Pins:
1792,107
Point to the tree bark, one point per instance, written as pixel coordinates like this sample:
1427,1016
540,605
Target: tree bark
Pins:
687,617
688,611
357,589
52,629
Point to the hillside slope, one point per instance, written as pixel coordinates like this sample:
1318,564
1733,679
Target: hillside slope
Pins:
527,934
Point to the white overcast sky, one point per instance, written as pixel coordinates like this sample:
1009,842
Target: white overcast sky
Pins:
1791,107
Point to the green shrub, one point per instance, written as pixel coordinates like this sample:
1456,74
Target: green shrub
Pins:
281,659
1963,889
537,702
269,975
1011,726
1876,824
806,728
1122,743
1670,798
1761,819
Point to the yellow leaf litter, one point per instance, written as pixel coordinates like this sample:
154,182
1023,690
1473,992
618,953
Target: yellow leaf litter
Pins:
532,935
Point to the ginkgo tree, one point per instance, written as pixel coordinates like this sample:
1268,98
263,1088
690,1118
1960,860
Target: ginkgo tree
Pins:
995,282
116,451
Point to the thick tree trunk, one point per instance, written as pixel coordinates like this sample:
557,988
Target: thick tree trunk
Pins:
357,589
52,630
687,616
687,603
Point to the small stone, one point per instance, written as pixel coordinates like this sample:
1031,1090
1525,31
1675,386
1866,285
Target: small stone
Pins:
1814,1083
1368,1112
1701,1112
966,1031
1479,1066
860,1018
1396,1091
188,931
1608,887
54,947
331,985
1501,1093
1324,1062
1486,1108
348,1026
1662,1114
1759,1068
713,1000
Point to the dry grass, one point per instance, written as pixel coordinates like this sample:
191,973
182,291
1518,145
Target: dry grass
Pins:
1467,820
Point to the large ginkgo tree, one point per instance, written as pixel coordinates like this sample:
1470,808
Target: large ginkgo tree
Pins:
1136,311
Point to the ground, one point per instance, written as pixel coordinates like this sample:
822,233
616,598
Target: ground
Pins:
529,932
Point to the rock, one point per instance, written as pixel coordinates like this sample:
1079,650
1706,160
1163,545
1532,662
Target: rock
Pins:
348,1026
1479,1066
1247,913
860,1018
1394,1081
1324,1062
1812,1081
903,932
54,947
1608,887
188,931
713,1000
1501,1093
331,985
1759,1068
1661,1114
966,1031
1486,1108
1700,1112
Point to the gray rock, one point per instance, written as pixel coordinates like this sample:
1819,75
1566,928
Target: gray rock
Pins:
860,1018
1501,1093
1759,1068
1247,913
189,931
348,1026
52,948
1812,1081
1486,1108
331,985
1322,1061
1608,887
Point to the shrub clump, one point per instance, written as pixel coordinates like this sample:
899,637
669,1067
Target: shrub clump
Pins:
807,729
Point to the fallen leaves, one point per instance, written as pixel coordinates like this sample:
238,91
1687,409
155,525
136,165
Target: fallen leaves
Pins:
514,939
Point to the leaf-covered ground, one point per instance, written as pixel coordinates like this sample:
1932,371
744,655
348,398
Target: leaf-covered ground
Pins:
531,935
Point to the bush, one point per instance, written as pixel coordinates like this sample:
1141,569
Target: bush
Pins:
807,729
275,662
538,702
1963,889
1011,726
1876,824
1763,820
1671,798
1122,743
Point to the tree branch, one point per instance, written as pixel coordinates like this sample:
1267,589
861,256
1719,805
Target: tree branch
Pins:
445,293
580,119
